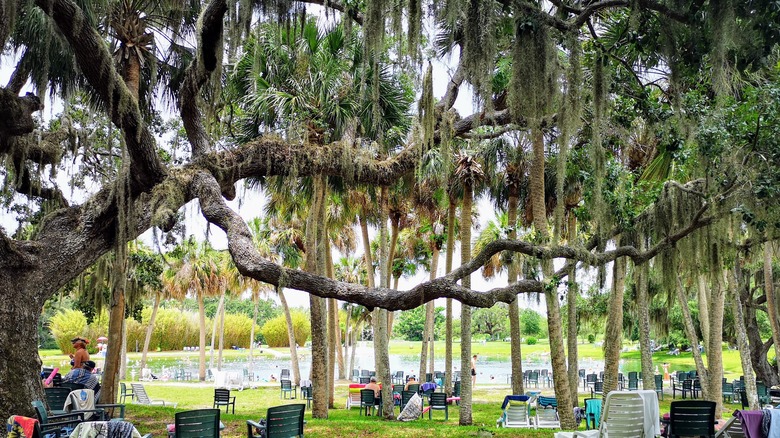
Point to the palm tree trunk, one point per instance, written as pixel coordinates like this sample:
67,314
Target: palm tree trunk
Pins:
202,338
340,356
690,331
332,328
347,337
296,370
367,251
555,329
255,299
514,311
150,329
319,343
771,304
221,336
465,310
448,314
214,325
110,381
613,336
735,285
430,314
643,309
381,335
572,294
712,387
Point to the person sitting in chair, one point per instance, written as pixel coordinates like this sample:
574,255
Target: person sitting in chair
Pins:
377,390
84,376
411,381
81,355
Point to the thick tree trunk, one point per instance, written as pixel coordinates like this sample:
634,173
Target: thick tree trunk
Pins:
448,310
19,317
296,369
515,335
150,329
430,312
771,304
465,310
424,345
712,387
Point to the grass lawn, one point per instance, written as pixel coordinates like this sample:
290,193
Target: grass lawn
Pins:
252,403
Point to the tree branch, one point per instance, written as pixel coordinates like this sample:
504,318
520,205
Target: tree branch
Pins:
356,16
98,68
198,73
453,88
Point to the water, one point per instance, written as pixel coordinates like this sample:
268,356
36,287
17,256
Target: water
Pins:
490,369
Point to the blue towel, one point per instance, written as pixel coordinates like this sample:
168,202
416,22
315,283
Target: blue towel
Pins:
509,398
774,423
593,407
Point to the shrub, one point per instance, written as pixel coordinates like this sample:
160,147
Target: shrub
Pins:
65,326
238,327
591,338
275,330
530,340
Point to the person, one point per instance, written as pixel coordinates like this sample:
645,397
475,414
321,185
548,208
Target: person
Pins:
377,389
473,370
81,355
84,376
412,380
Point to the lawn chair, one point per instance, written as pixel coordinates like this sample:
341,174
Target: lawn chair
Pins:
279,422
83,402
659,385
590,379
59,425
222,398
728,391
405,397
306,394
438,402
547,413
597,389
367,401
353,394
732,429
143,398
516,412
692,418
623,418
124,393
533,378
55,398
355,375
199,423
287,389
364,380
398,377
285,375
684,386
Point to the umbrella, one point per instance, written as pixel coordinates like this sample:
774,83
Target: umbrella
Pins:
102,339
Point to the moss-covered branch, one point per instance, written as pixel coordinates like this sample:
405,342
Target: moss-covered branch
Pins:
198,73
355,15
16,114
97,65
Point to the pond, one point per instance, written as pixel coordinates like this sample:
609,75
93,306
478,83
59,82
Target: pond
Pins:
490,369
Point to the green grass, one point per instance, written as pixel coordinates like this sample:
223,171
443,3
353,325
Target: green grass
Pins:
252,403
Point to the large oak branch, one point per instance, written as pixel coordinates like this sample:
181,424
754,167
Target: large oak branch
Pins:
97,65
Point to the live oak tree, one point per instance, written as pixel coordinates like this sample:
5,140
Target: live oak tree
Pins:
151,187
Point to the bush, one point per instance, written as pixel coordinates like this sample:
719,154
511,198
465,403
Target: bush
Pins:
591,338
275,330
531,340
65,326
238,327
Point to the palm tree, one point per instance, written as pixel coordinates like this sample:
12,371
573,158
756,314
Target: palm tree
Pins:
469,174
